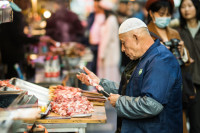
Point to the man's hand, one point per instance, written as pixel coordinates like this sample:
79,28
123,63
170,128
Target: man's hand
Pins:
84,78
113,98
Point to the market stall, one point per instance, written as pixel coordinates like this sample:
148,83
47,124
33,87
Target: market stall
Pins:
76,116
57,123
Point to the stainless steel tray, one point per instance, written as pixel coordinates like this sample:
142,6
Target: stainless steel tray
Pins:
40,92
5,88
46,112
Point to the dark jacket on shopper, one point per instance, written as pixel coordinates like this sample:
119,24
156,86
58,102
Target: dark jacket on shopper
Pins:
152,100
193,46
64,26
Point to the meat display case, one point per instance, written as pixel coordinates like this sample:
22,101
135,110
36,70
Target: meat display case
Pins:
40,92
12,99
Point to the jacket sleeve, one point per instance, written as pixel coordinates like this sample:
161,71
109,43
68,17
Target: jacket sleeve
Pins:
137,107
109,86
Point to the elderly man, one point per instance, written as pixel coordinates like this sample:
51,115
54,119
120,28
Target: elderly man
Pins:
149,95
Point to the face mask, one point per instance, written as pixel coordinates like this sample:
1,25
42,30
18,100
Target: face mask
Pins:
162,22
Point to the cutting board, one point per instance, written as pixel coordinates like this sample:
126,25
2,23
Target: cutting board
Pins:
98,116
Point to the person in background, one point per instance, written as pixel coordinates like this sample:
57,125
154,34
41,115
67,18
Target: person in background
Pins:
95,22
149,96
64,25
12,39
121,17
109,47
122,12
160,12
137,10
190,33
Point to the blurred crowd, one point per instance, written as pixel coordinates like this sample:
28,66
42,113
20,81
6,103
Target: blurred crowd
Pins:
100,33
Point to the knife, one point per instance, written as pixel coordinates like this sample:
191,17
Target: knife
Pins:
81,115
59,117
106,94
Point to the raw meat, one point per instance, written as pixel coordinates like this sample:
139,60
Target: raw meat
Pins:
7,84
67,101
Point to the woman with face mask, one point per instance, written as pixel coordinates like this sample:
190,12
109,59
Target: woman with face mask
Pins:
190,33
160,12
159,17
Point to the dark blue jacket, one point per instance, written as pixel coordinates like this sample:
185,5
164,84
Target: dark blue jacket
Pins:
157,76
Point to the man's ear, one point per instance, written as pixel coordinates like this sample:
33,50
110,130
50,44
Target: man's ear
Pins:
135,36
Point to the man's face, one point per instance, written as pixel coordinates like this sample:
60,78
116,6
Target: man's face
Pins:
130,45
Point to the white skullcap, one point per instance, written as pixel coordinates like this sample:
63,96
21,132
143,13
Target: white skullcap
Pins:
107,4
131,24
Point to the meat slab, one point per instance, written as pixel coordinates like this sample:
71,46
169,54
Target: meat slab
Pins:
67,101
7,84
